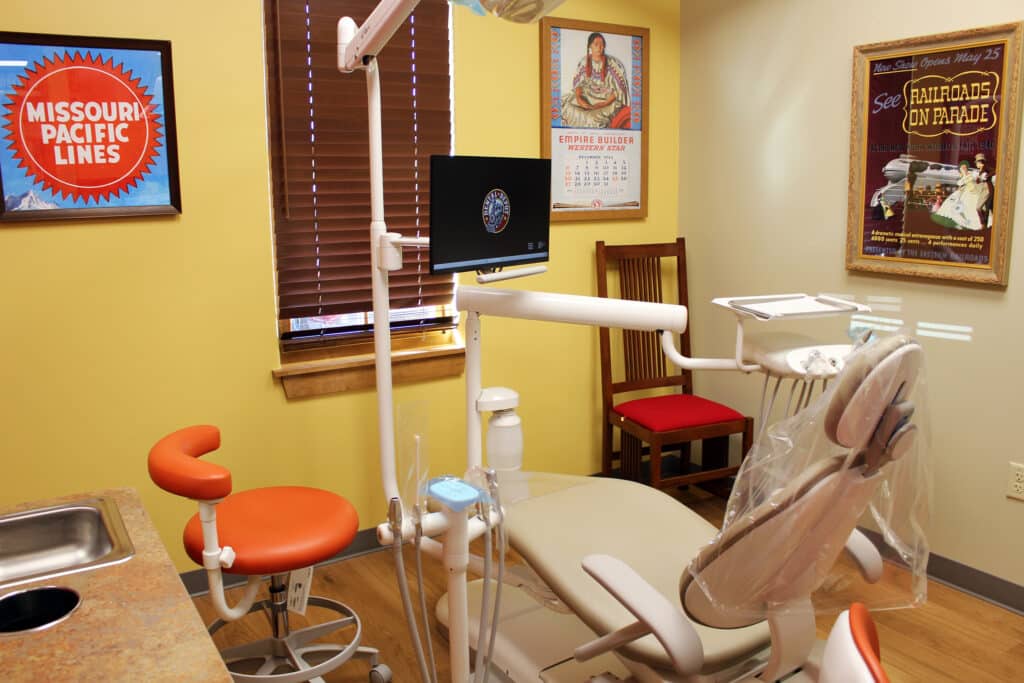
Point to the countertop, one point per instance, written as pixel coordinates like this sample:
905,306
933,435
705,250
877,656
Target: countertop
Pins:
135,622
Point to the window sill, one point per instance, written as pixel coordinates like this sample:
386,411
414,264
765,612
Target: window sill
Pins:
415,358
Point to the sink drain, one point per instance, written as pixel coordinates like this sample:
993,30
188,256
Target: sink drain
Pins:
36,608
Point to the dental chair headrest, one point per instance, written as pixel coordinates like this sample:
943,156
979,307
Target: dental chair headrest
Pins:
875,378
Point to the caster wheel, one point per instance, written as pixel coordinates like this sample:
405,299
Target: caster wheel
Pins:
380,674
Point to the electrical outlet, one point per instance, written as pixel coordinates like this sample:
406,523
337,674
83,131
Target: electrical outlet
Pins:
1015,484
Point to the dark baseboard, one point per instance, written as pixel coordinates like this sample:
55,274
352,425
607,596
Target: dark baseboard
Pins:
993,589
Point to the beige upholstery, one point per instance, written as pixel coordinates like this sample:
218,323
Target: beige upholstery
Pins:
779,553
781,503
649,530
775,553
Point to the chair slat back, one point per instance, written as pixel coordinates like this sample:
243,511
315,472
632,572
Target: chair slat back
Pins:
640,280
641,271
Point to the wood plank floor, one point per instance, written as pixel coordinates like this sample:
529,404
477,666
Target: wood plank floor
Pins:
954,637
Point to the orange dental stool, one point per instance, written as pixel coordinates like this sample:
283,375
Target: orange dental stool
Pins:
263,532
852,654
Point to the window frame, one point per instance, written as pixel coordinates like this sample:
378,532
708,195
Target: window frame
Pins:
329,360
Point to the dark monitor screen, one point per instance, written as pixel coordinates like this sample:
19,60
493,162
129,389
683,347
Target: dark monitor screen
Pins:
488,212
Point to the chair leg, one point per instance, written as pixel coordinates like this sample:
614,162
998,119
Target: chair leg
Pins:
685,456
748,436
656,465
631,451
714,454
606,449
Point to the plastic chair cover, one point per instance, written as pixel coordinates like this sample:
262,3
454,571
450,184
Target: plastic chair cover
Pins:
805,484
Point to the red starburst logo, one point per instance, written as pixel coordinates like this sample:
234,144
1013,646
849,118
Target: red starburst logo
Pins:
82,128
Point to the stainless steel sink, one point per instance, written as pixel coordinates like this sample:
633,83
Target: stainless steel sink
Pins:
74,537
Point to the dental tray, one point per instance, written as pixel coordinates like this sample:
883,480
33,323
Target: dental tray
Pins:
780,306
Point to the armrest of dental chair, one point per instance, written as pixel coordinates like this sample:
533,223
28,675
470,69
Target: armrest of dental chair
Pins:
655,615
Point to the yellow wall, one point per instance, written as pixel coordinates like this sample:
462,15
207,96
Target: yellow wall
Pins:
765,116
123,330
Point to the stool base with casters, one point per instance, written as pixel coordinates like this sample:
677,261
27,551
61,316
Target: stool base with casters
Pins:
293,656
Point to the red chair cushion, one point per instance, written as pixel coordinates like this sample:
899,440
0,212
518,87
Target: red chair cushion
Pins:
278,529
675,411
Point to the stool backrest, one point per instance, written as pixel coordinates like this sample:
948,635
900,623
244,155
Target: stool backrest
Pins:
865,636
174,464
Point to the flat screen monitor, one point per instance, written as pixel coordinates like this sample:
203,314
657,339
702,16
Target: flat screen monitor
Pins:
488,212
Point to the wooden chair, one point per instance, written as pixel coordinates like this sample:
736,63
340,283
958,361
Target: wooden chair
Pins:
673,419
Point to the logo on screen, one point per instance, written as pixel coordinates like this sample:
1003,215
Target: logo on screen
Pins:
496,209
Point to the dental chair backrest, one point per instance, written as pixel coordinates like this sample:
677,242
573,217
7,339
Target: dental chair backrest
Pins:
782,546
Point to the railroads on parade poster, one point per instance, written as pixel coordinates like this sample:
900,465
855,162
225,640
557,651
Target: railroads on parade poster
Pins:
86,127
933,155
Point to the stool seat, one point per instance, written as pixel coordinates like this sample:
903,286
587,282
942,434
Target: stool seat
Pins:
278,529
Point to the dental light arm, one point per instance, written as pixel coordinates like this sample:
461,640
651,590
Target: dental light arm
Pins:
570,308
356,47
668,346
669,319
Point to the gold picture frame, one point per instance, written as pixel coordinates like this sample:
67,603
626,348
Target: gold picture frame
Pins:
595,122
934,149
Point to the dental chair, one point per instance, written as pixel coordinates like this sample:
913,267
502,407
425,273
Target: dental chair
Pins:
675,599
267,531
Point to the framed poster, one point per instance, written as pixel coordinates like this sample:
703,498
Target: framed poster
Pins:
594,118
934,149
86,127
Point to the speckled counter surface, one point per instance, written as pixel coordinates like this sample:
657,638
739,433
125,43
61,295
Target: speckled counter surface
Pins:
135,622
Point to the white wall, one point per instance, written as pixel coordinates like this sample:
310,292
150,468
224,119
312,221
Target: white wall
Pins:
765,126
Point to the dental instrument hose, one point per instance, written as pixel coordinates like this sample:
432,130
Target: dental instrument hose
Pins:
423,596
480,667
492,482
395,521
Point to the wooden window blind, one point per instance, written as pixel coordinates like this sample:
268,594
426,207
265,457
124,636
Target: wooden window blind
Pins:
320,167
